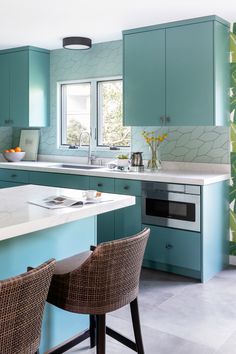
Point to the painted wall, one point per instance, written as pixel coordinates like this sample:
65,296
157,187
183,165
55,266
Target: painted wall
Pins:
193,144
5,138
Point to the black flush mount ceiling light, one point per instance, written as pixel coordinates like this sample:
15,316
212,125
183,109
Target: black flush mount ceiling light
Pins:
77,43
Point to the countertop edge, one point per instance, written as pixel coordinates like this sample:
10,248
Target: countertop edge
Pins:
183,177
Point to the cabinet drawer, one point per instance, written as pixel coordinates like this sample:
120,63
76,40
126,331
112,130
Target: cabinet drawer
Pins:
59,180
125,186
102,184
174,247
4,184
14,176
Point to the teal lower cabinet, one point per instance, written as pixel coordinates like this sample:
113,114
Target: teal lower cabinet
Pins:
13,178
123,222
5,184
105,222
59,180
200,255
128,220
102,184
174,250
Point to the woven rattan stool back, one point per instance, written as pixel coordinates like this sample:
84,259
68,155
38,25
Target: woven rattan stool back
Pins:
22,300
106,281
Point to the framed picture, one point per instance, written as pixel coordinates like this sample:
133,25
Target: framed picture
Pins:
29,142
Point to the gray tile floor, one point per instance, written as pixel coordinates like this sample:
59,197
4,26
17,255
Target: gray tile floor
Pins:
179,316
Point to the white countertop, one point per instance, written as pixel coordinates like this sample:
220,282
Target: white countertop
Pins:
187,175
18,217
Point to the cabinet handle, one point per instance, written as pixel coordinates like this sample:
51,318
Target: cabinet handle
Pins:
167,120
169,246
13,176
126,187
162,119
100,184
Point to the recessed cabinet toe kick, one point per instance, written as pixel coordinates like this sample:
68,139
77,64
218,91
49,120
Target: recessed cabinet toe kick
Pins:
189,228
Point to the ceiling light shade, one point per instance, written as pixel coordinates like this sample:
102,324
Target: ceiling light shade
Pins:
77,43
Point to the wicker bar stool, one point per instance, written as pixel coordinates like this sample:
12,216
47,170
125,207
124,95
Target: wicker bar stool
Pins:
22,301
97,282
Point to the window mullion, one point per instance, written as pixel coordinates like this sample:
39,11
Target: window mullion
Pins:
93,116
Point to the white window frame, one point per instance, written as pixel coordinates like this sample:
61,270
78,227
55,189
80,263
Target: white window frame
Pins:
94,121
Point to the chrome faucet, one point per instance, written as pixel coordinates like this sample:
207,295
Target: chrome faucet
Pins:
90,158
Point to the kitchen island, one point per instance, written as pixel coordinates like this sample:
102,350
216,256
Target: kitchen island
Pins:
30,234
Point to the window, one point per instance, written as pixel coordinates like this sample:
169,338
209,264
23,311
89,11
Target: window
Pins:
95,107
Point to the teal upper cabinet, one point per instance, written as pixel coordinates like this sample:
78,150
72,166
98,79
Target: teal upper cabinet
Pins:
4,89
144,77
177,73
24,87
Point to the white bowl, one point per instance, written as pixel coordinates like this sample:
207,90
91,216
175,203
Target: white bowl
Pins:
14,156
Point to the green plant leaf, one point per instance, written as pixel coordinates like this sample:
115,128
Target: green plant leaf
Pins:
233,74
233,146
232,245
232,220
233,163
234,27
233,46
232,103
233,132
232,193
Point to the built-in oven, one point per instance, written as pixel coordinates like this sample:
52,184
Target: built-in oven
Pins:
171,205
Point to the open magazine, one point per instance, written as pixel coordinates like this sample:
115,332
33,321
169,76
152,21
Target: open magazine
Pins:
62,201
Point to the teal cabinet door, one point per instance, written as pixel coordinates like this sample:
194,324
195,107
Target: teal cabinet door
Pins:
144,77
128,187
19,88
102,184
189,74
14,176
4,90
173,248
105,227
128,220
4,184
59,180
177,73
24,87
105,222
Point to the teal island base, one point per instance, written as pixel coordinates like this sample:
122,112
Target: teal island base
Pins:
34,248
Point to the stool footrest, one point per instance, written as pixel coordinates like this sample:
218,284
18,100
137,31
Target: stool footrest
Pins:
122,339
70,343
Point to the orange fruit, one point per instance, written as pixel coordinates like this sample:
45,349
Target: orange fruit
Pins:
18,149
6,150
11,150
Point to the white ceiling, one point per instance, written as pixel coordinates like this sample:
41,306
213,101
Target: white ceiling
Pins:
44,23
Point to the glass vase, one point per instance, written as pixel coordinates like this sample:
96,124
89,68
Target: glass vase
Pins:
154,163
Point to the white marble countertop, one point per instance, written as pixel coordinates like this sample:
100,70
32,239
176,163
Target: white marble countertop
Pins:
196,174
18,217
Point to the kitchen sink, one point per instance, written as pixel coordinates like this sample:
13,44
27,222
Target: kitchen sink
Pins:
79,167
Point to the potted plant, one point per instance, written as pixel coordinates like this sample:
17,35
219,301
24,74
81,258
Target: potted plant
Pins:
122,161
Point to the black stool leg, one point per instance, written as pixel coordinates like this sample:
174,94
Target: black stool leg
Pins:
92,325
101,334
136,326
